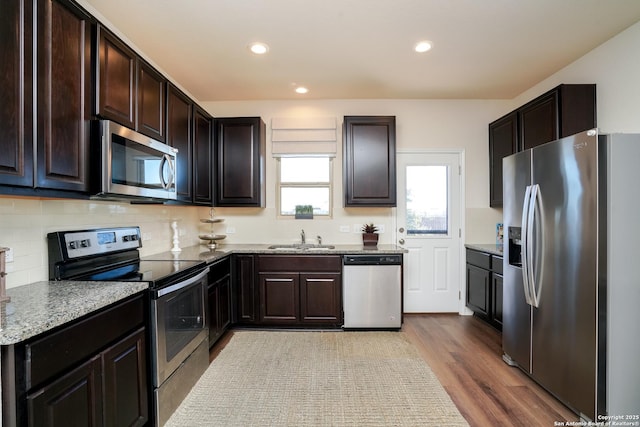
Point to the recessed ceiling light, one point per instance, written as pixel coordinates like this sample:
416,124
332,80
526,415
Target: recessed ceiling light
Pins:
423,46
301,89
259,48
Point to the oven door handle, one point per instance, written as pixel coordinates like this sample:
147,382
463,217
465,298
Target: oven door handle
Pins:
181,285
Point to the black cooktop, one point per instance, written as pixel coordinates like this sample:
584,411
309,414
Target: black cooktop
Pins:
157,273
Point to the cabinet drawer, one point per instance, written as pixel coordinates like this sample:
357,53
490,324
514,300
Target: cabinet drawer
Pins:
496,264
59,351
479,259
299,263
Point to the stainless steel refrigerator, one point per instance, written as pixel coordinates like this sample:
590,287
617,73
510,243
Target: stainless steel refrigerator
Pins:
571,316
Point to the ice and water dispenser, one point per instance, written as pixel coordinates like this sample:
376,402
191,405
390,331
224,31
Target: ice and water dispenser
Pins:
515,246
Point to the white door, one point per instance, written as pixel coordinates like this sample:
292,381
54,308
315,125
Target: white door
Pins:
428,226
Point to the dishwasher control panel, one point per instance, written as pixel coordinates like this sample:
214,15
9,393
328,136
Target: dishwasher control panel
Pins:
389,259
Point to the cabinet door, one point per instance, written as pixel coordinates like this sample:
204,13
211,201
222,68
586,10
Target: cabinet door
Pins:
240,150
539,121
74,399
246,288
496,299
150,102
369,168
203,158
478,290
577,108
279,297
16,92
179,119
503,137
64,96
125,382
116,79
321,298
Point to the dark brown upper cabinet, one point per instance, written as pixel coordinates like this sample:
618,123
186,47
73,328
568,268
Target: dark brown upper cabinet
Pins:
179,134
369,160
129,90
61,60
240,150
16,92
116,79
564,110
503,138
150,102
64,96
203,157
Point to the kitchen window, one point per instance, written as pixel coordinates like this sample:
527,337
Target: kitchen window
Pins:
304,181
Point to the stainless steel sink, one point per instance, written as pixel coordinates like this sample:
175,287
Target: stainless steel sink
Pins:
301,246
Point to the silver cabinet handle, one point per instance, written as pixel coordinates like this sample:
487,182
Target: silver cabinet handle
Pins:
401,241
401,229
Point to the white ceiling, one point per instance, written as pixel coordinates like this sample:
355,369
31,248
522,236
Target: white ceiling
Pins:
363,49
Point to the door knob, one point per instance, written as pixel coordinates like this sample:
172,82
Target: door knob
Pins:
401,241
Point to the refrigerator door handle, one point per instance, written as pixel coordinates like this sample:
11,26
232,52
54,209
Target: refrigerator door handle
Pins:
533,202
525,259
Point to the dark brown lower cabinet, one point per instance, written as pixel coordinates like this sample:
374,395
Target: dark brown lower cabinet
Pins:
321,298
300,290
92,372
219,299
477,289
484,286
279,296
73,400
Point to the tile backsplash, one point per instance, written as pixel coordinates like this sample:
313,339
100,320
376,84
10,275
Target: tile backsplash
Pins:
25,222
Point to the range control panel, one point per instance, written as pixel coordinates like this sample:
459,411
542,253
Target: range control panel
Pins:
101,241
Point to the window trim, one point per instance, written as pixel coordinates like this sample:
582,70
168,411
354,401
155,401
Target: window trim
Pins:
296,184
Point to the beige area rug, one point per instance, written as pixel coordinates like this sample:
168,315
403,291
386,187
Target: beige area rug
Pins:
278,378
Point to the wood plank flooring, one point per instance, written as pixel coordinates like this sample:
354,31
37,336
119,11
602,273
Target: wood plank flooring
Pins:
466,356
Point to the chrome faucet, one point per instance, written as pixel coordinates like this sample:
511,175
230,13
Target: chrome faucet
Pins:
303,238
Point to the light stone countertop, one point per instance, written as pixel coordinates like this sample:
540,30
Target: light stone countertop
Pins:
202,253
42,306
486,247
38,307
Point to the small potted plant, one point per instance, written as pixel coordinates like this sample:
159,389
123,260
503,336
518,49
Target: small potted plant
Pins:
369,235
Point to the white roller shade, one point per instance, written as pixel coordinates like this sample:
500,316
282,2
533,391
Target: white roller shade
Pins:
307,136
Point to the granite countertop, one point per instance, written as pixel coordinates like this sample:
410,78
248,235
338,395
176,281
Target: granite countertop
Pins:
202,253
41,306
486,247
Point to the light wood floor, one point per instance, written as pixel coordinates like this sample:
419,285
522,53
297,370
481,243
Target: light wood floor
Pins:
466,356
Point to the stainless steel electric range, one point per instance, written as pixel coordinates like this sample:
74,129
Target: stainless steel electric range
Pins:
178,327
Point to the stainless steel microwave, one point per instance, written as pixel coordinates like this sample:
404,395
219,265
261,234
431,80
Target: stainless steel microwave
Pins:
132,165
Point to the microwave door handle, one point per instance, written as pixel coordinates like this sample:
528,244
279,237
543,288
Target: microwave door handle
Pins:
166,159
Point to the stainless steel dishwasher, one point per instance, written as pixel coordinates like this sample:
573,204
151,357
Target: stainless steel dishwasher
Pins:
372,291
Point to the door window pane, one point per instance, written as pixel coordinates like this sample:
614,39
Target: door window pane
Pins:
427,196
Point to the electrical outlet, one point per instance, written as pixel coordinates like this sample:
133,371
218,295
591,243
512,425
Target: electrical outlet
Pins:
380,228
8,255
231,230
345,229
